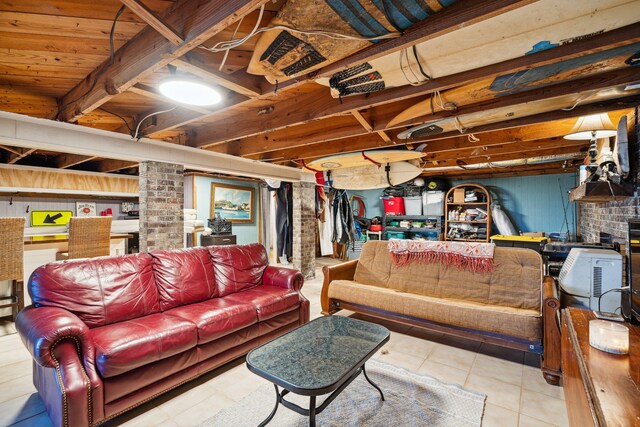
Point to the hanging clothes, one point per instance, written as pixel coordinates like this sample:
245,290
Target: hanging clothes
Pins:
284,221
324,221
344,231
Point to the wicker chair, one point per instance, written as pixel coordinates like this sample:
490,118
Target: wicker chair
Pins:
88,238
12,262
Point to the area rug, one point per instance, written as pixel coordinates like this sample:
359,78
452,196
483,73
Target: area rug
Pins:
411,400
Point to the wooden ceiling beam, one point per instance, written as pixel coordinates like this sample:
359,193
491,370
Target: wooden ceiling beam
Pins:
242,83
368,126
10,149
508,152
451,139
149,51
15,157
153,20
322,105
65,160
111,165
548,168
461,14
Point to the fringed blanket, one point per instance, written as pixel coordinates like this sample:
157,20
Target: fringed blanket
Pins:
477,257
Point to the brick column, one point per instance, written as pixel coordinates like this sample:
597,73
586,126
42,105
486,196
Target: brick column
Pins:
161,206
304,228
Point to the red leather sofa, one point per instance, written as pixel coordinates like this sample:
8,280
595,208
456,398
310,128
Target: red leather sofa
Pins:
110,333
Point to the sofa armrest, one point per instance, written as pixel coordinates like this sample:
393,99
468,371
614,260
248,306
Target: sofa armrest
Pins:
42,328
283,278
342,271
552,357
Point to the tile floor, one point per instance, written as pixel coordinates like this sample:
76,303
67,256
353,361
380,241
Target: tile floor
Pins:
517,395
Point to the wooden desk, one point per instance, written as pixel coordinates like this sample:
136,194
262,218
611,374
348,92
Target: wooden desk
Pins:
601,389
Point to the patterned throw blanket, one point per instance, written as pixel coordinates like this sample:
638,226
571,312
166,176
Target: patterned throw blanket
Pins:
477,257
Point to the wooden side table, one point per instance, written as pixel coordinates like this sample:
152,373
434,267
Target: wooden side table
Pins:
218,240
601,389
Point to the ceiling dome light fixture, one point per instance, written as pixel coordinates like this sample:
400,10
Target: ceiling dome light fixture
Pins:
188,91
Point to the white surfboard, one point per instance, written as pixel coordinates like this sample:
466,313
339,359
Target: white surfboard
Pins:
366,158
498,39
372,176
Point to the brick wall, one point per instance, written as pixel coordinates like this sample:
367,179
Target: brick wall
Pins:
161,206
611,217
304,229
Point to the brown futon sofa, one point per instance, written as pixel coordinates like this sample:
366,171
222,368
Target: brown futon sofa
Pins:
514,306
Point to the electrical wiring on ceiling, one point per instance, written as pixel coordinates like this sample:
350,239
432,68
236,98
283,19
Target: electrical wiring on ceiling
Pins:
232,44
135,134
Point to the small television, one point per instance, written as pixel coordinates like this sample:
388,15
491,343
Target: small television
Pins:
633,309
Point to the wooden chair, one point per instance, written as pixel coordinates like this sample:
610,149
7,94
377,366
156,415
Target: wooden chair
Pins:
12,262
88,238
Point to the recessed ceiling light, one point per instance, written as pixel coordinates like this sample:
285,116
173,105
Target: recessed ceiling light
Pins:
190,92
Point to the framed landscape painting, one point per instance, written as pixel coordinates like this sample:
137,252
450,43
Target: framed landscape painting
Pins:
233,202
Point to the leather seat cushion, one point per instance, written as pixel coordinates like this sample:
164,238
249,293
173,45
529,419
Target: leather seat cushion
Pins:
124,346
183,276
217,317
238,267
269,301
510,321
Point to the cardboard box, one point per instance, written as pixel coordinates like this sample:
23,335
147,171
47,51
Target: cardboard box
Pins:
533,233
458,195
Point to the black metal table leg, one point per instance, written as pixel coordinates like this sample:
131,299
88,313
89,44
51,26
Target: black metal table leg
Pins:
312,411
275,408
372,383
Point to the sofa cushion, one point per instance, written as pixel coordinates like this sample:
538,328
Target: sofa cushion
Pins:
127,345
100,291
374,265
217,317
509,321
238,267
515,282
183,276
269,301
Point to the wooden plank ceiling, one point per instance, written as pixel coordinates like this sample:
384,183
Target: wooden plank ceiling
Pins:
56,62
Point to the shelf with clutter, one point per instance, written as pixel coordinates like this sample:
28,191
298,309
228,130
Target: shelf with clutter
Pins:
468,213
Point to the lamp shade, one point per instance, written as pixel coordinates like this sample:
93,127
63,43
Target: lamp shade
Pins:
187,91
598,123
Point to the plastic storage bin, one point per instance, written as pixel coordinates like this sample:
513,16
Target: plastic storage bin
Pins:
413,205
396,235
393,206
433,203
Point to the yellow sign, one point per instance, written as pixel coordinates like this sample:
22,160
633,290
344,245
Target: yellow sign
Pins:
49,218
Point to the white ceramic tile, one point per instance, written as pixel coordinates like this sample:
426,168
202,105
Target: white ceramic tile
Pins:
497,416
498,369
20,408
204,410
402,360
544,408
40,420
453,356
413,346
526,421
442,372
15,388
498,392
533,380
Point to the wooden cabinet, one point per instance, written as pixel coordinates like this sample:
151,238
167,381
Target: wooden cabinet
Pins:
601,389
462,227
218,240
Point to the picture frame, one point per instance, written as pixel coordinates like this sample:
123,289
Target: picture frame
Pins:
86,209
234,203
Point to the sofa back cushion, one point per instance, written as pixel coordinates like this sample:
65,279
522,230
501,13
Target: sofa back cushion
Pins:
374,264
238,267
515,282
99,291
183,276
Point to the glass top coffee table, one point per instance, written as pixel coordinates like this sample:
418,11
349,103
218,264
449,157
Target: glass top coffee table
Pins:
323,356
